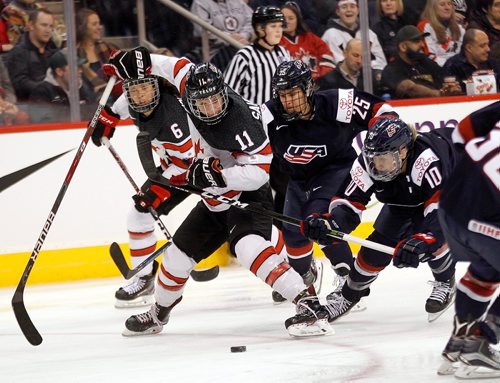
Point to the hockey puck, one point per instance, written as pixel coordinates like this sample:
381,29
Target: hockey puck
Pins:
238,348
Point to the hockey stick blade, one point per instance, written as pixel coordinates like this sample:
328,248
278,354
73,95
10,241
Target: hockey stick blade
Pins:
205,275
28,328
121,262
147,161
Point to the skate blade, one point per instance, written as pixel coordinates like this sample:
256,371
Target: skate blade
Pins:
152,331
319,328
476,372
319,278
358,307
146,300
447,367
433,316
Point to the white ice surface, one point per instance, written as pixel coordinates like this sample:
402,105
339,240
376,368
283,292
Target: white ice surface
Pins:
389,342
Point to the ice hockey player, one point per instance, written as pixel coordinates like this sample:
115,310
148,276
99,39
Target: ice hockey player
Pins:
311,135
406,172
235,163
153,104
469,212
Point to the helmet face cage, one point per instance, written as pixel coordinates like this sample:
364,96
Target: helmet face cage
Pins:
206,93
143,94
381,149
289,75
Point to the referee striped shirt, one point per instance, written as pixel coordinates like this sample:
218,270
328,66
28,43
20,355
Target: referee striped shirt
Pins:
250,71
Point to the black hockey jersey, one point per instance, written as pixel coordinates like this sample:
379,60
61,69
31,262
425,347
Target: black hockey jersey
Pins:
417,190
304,147
241,144
472,194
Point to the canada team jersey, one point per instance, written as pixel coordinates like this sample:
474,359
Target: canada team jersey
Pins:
429,166
472,194
168,128
303,148
240,143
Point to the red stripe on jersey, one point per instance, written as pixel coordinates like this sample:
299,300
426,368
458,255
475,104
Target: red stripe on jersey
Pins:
136,235
267,150
179,162
265,167
365,266
170,288
164,164
178,280
261,258
481,288
277,272
179,65
376,107
434,199
141,252
466,129
180,148
298,251
229,194
281,242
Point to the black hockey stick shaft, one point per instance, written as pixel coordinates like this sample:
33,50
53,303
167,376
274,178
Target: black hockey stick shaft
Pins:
123,167
147,161
23,319
115,250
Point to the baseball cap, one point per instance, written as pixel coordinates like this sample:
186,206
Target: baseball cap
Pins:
409,33
58,60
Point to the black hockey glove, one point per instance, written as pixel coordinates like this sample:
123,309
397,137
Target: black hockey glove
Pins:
135,63
151,195
203,173
105,125
411,251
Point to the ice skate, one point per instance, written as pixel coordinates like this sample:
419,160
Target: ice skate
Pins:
441,298
338,283
311,318
314,276
338,306
450,354
139,292
479,359
150,322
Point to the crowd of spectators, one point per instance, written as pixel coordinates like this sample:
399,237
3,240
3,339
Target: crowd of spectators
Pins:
418,48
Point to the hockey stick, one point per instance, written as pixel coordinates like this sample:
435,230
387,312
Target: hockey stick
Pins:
28,328
115,250
147,161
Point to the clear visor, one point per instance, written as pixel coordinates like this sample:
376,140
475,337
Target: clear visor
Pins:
209,109
142,94
384,166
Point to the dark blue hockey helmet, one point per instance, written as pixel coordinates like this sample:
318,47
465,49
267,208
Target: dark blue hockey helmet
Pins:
289,75
206,93
386,148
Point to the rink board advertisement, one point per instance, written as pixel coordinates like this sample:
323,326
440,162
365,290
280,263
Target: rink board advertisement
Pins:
93,213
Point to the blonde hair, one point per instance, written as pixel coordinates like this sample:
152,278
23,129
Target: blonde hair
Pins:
431,16
400,11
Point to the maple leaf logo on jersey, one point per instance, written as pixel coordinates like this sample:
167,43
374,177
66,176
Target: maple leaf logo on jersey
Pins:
303,154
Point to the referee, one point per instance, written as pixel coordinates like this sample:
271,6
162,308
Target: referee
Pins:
250,71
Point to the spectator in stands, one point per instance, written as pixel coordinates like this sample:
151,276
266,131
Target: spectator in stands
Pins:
349,72
308,8
28,61
167,29
474,56
445,35
390,23
412,11
346,27
460,11
234,17
303,44
486,17
412,74
9,112
91,47
119,17
16,16
5,44
50,100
